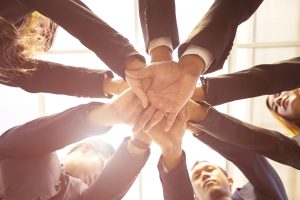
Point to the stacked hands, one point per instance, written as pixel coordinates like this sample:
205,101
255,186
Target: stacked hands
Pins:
161,100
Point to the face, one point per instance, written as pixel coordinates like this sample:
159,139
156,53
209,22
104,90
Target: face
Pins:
47,30
286,104
209,182
85,164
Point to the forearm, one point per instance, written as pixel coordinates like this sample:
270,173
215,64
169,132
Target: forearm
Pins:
47,134
49,77
256,81
109,45
121,172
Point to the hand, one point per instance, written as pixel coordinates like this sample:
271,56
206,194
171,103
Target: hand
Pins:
114,86
199,94
170,142
171,87
138,86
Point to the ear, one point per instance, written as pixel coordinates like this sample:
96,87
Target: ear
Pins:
230,181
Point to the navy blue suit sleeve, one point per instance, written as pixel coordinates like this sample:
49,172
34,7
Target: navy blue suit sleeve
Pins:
48,134
158,19
110,46
255,167
117,176
217,29
256,81
271,144
176,184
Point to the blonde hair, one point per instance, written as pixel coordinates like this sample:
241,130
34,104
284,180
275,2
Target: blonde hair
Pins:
292,126
20,43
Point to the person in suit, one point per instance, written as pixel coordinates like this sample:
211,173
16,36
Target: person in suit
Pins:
18,69
30,168
204,51
209,181
110,46
265,79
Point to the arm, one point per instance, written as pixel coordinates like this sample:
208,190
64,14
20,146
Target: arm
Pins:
216,31
47,134
172,164
118,175
56,78
271,144
254,166
111,47
158,19
256,81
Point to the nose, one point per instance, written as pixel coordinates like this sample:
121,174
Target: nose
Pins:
204,176
278,101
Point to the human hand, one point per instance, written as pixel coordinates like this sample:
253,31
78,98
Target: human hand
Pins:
170,142
138,86
114,86
171,87
199,94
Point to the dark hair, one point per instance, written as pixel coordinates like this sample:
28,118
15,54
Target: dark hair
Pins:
202,161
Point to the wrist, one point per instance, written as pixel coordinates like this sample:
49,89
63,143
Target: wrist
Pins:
161,53
192,64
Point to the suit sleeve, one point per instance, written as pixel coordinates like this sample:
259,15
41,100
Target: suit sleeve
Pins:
117,176
110,46
256,81
217,29
271,144
176,184
255,167
56,78
158,19
48,134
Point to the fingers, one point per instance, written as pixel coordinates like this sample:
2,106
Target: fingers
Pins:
136,111
144,119
141,95
157,117
170,121
139,74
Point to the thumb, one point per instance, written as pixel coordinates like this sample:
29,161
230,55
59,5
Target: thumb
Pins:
139,74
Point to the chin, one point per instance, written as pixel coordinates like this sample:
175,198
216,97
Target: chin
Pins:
216,193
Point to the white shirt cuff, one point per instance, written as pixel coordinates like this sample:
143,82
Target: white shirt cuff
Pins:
202,52
161,41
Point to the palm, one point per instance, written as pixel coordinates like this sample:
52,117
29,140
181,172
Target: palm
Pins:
169,91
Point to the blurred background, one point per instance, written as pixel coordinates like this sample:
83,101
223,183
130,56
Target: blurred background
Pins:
270,35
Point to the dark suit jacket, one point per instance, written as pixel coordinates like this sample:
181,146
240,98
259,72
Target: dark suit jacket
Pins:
259,80
256,81
264,182
158,19
216,30
30,168
72,15
56,78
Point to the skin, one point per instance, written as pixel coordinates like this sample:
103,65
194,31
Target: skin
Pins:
286,104
84,163
210,183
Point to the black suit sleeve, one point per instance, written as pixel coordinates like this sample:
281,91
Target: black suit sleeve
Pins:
216,30
176,184
56,78
158,19
271,144
117,176
255,167
50,133
110,46
256,81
